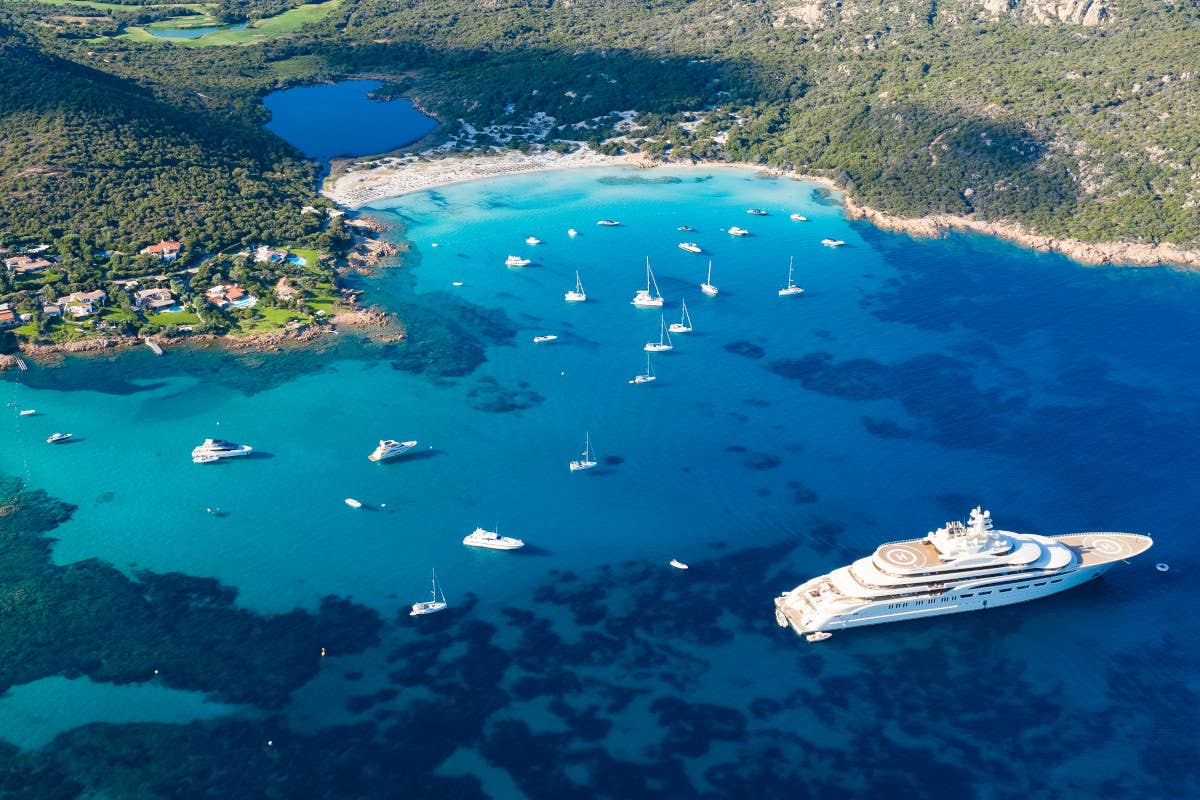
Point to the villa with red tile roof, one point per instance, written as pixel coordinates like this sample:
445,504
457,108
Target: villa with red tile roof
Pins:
165,250
24,265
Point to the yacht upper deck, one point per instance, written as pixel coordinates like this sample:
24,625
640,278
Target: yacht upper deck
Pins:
1101,548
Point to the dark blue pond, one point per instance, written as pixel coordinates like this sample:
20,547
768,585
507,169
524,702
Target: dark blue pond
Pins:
340,119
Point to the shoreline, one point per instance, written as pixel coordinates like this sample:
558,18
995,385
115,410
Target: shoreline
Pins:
373,323
396,176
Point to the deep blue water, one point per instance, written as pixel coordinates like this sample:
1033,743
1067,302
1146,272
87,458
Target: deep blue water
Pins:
785,437
339,119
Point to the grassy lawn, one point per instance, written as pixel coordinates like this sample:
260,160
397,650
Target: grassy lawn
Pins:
310,257
180,318
258,31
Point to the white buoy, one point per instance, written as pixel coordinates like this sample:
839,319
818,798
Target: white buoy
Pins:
1161,567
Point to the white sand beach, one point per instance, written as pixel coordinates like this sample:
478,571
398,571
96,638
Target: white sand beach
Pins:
368,181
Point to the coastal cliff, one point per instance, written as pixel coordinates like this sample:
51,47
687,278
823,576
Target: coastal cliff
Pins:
1142,254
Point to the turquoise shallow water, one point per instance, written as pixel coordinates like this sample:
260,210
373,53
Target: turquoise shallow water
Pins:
784,437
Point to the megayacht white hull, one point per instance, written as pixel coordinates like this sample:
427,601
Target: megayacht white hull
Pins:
941,575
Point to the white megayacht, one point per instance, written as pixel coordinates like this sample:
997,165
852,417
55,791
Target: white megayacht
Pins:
956,568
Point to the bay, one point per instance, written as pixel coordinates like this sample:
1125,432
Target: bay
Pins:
785,436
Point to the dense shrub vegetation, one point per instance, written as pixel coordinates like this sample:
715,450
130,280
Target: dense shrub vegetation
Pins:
1086,131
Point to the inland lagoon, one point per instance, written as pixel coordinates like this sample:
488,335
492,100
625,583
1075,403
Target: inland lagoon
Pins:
237,628
342,119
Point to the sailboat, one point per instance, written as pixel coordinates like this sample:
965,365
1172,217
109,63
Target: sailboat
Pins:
576,295
685,322
643,298
646,377
436,602
791,287
707,287
589,458
664,340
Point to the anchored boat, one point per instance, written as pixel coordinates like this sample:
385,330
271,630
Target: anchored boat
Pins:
953,569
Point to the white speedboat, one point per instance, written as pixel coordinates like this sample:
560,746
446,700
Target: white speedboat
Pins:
549,337
435,603
532,240
350,501
832,242
646,377
799,218
589,458
791,287
707,287
390,448
689,247
757,212
677,564
220,449
572,232
819,636
736,231
491,540
28,412
517,261
576,295
664,340
456,283
685,323
643,298
607,223
55,438
686,228
959,567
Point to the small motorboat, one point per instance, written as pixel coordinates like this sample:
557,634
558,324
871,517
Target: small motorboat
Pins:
677,564
736,231
689,247
607,223
549,337
818,636
28,412
757,212
832,242
799,218
572,232
55,438
517,261
686,228
532,240
456,283
350,501
491,540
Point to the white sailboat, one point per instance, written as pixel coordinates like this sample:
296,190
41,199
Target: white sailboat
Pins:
664,340
707,287
791,287
576,295
648,376
643,298
436,602
589,458
685,322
